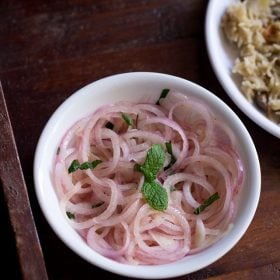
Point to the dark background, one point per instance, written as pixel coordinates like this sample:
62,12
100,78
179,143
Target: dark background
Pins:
49,49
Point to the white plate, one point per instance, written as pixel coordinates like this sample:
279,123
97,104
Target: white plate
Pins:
222,55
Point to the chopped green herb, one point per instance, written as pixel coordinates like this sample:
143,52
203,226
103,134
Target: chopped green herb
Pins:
97,204
70,215
58,151
109,125
206,203
169,150
155,195
127,119
75,165
153,163
90,165
163,94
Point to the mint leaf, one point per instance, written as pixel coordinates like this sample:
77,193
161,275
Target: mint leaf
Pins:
75,165
127,119
206,203
155,195
153,163
90,165
149,175
168,146
70,215
163,94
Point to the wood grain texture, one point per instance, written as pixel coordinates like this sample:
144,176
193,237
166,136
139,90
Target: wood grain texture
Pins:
49,49
271,271
14,189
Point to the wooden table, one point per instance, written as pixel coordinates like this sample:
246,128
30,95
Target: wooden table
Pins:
49,49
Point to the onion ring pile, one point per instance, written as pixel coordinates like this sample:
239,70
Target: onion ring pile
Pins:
105,204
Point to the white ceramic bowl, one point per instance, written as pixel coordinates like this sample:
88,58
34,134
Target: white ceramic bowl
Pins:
140,86
222,55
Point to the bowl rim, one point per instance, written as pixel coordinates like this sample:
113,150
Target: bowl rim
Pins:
224,78
145,271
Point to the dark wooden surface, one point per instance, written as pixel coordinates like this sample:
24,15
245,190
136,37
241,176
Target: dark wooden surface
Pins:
14,189
49,49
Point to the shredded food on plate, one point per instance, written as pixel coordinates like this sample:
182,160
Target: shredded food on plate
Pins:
254,26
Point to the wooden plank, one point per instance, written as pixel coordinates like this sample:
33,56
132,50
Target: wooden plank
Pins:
271,271
28,246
